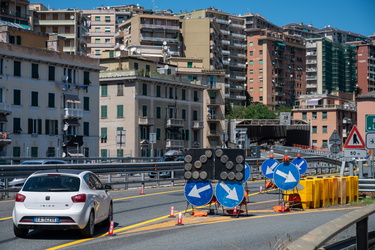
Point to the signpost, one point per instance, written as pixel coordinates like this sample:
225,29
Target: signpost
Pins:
370,123
301,164
286,176
354,145
230,193
268,167
198,192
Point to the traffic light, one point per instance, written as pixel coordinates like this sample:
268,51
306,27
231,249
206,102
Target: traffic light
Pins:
229,164
199,164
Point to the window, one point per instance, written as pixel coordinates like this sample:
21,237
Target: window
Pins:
120,89
195,115
144,110
103,111
107,18
260,98
136,66
251,80
196,96
103,153
104,90
260,61
314,115
183,114
260,52
314,129
86,78
260,70
251,90
97,18
97,52
86,128
111,54
251,44
144,89
1,66
97,40
324,115
251,71
189,64
51,100
120,111
251,62
50,152
324,129
17,68
34,70
34,98
51,73
51,127
86,103
17,125
107,29
158,133
107,40
34,126
186,134
260,43
304,115
120,152
251,53
183,94
158,112
103,135
16,151
97,29
325,144
34,152
158,91
260,89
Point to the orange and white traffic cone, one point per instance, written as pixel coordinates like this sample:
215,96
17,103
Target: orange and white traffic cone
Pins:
142,190
235,210
283,207
179,220
111,227
260,189
171,214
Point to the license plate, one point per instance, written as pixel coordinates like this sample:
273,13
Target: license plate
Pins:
46,219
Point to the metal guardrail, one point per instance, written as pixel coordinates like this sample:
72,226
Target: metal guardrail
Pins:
366,185
318,237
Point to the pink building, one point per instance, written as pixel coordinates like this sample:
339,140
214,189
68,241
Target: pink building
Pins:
365,106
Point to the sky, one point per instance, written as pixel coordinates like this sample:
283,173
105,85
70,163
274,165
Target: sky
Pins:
354,16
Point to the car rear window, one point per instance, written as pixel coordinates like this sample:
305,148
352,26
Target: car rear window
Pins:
52,183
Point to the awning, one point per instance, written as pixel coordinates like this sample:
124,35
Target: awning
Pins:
313,101
3,119
281,44
72,98
75,155
72,123
174,131
73,151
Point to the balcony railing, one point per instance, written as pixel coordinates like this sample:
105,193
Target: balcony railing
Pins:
170,143
72,113
146,121
156,26
4,139
197,124
5,108
175,123
326,107
213,133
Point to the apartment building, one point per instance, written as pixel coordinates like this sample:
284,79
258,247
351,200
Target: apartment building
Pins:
301,30
68,23
276,64
220,39
327,113
137,103
15,11
330,66
365,106
49,103
213,125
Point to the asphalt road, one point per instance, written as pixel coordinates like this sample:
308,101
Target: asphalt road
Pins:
143,222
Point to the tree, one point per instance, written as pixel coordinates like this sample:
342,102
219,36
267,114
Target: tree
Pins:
253,111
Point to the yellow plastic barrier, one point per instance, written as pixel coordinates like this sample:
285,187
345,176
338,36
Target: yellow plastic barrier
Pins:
341,190
316,193
334,191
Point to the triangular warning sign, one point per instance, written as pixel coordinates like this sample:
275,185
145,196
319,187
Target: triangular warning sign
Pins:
354,139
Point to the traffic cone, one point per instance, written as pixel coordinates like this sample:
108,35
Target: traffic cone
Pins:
142,190
179,220
171,214
111,226
260,189
283,207
235,210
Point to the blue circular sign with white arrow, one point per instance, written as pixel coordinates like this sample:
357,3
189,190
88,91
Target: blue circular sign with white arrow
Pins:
230,193
268,167
247,173
301,164
286,176
198,192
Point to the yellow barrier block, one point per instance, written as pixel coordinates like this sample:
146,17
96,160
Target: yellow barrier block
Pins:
355,188
334,190
307,198
316,193
324,192
350,188
342,190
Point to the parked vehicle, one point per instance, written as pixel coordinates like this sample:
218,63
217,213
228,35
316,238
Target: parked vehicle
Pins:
171,155
62,199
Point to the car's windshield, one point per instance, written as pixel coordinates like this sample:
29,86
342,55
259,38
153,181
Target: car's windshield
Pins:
52,183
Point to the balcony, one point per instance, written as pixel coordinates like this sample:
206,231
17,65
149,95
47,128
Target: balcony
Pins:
4,139
175,123
146,121
213,133
225,32
215,117
159,39
236,97
222,21
326,107
215,102
5,109
69,113
72,140
197,125
170,143
237,26
241,36
54,22
156,26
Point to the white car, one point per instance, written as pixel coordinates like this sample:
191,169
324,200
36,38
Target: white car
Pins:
62,199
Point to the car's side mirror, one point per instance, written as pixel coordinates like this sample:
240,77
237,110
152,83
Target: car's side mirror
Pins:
107,187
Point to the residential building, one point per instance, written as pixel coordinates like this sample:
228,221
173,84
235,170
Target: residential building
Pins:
49,102
301,30
68,23
341,36
275,64
15,11
136,102
365,104
330,66
220,39
213,125
327,113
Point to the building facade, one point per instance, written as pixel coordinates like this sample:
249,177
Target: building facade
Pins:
49,103
15,11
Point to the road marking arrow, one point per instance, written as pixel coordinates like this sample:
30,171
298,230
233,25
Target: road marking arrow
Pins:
289,177
270,169
195,192
232,194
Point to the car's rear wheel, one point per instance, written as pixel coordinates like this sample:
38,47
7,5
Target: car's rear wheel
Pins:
107,221
88,231
20,232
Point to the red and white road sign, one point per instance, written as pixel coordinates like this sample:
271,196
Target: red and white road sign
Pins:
355,139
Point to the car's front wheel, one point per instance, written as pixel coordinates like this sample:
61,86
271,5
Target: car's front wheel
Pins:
20,232
88,231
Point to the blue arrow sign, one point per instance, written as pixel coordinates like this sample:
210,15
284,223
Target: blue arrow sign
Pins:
247,173
198,192
268,167
301,164
286,176
230,193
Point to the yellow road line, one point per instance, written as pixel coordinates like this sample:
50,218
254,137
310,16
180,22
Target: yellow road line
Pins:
145,195
6,218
